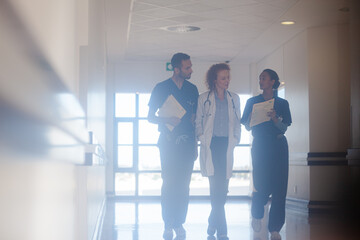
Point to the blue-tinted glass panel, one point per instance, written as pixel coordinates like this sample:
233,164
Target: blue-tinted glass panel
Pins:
149,158
150,184
239,184
148,132
125,133
125,156
242,158
125,184
143,104
199,185
125,105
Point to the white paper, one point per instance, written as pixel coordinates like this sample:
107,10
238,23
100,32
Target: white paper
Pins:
259,112
171,108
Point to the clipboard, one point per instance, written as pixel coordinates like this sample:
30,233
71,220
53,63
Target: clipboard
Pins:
259,112
171,108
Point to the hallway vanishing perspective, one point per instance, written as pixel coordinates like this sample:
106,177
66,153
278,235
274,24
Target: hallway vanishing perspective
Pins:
142,221
79,159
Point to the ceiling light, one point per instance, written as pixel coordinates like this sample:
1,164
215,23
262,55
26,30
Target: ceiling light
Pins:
181,29
287,22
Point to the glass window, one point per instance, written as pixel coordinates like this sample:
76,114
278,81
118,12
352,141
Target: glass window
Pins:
125,105
243,99
242,158
245,134
197,161
125,133
137,162
125,156
150,184
149,158
148,132
143,104
239,184
125,184
281,92
199,185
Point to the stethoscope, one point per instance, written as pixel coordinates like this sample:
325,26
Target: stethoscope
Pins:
207,101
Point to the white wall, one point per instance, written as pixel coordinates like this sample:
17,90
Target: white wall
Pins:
329,88
42,189
53,27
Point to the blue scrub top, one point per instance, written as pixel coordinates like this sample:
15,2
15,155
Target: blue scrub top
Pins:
268,128
187,96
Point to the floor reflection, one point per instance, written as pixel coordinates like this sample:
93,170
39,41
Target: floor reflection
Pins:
142,221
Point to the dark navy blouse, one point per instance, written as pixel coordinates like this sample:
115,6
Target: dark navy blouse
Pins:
282,109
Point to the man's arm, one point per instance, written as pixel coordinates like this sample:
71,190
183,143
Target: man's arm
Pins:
174,121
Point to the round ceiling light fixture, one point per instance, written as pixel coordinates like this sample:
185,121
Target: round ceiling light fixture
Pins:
181,29
288,22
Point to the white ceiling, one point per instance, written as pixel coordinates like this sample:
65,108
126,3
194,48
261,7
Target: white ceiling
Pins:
231,30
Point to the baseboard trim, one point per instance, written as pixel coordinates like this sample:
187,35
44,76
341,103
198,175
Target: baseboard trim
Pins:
353,157
327,159
100,221
313,207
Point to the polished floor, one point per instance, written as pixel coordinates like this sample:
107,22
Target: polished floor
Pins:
142,221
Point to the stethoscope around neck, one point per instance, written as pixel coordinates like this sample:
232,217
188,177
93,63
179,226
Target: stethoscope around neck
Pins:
208,102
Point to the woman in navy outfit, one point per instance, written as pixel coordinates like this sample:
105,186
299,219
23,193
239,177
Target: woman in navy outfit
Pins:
270,155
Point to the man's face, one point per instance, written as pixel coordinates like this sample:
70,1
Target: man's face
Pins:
185,71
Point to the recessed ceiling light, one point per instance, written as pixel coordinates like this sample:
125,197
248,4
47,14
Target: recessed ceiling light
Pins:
287,22
181,29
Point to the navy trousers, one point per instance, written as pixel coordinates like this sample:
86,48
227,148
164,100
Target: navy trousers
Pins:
270,159
218,185
177,162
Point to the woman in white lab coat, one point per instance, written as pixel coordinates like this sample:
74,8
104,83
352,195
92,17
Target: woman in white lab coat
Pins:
218,130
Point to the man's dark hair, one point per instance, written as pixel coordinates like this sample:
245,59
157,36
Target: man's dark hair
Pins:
177,59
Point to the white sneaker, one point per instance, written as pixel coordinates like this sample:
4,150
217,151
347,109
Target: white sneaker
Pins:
168,234
180,233
256,224
275,236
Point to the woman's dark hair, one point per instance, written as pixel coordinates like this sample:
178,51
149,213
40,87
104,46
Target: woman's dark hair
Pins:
273,76
211,74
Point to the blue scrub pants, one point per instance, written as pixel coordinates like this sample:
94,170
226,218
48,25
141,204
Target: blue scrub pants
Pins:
218,185
270,159
177,162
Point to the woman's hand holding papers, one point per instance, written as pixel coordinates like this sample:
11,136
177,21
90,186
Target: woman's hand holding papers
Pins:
272,115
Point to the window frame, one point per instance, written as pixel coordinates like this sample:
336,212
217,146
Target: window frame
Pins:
135,166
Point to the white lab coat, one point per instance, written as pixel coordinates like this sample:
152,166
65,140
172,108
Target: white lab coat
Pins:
205,116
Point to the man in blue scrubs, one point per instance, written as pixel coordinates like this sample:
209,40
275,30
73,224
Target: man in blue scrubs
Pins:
178,149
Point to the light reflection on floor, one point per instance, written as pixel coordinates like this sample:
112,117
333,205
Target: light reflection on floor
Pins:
142,221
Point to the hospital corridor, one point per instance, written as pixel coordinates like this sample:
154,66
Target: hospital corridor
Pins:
89,151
